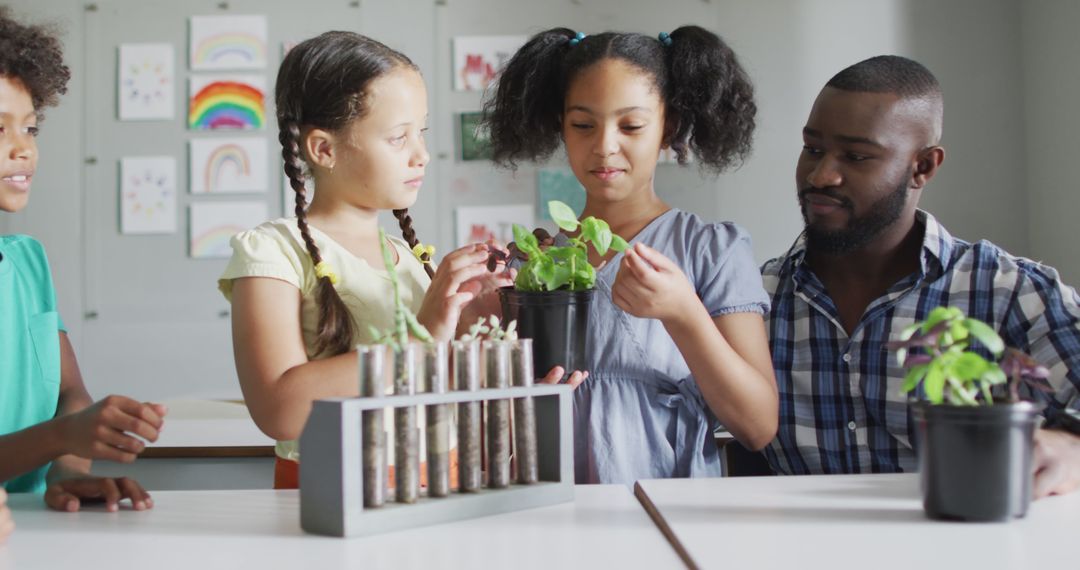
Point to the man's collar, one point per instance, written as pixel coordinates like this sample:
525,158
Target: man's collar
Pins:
933,257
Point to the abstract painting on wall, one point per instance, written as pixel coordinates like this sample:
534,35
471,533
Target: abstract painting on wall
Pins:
228,165
481,223
146,82
214,223
227,42
475,141
235,102
478,59
558,184
148,195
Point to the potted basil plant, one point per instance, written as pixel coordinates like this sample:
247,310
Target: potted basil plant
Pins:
975,439
553,290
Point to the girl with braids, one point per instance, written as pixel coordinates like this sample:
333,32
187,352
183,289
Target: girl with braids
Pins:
677,340
50,428
305,290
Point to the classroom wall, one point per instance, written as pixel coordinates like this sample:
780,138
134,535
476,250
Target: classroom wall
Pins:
981,51
1050,48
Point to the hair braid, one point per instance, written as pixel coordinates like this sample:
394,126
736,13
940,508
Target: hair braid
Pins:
409,234
336,327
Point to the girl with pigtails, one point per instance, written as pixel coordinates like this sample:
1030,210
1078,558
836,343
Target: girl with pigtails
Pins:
676,336
306,290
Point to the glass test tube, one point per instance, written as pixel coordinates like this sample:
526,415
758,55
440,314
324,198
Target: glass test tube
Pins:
406,432
521,357
371,359
497,375
467,378
438,421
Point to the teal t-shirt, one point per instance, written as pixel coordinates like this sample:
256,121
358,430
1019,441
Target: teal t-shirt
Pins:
29,345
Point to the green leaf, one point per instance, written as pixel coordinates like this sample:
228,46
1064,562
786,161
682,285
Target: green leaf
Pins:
913,377
618,243
994,375
934,383
584,277
936,316
985,335
563,215
958,330
598,232
526,242
418,330
968,367
527,279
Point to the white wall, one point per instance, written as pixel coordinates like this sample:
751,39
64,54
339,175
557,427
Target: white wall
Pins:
790,47
1050,49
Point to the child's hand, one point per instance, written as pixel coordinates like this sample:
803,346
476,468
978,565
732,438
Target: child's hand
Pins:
6,523
101,430
651,286
68,494
556,374
447,295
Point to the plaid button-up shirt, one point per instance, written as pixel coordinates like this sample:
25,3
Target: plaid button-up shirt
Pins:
841,409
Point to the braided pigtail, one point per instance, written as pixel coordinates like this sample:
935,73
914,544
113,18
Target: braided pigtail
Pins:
409,235
336,328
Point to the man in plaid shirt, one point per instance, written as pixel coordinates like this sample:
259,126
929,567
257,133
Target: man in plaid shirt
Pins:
870,263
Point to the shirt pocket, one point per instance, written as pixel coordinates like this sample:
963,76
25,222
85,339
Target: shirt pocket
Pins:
44,331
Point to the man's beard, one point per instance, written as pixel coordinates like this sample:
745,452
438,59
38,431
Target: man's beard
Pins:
859,231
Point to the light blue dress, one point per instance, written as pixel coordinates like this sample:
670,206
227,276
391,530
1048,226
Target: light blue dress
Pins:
640,414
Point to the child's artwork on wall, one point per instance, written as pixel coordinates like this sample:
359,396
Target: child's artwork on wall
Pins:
481,223
148,195
228,165
478,59
227,42
214,223
475,142
221,103
558,184
146,82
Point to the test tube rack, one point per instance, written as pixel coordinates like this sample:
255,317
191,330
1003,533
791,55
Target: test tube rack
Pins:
331,473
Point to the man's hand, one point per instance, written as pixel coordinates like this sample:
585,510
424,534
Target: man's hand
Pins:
1057,462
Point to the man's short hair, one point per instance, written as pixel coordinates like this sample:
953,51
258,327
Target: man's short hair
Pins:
888,74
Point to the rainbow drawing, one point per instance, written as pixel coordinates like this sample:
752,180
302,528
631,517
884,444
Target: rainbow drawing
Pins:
228,42
226,156
240,47
214,242
214,223
228,165
227,103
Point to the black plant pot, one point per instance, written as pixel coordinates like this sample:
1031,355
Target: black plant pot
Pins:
557,321
976,461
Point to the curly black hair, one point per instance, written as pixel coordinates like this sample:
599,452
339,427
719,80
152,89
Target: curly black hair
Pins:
708,97
35,57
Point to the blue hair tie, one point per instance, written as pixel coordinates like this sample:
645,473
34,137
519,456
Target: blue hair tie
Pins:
665,38
577,39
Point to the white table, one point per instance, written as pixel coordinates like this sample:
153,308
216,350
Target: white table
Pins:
604,528
849,521
205,444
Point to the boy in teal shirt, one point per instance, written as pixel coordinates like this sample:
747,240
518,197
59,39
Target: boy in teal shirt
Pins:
50,429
